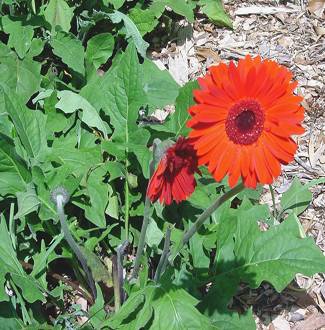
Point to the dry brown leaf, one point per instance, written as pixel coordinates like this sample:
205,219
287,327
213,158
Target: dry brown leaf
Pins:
205,53
316,7
314,322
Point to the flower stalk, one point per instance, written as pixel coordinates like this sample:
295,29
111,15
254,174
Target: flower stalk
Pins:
164,257
60,197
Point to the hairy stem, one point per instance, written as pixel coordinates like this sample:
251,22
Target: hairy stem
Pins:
164,257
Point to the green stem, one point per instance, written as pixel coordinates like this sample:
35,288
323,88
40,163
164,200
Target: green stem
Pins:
204,216
74,246
164,257
127,205
142,239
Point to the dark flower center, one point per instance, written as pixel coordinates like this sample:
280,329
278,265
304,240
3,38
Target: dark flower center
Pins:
245,122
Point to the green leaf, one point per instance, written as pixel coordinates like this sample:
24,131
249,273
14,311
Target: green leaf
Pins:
297,198
160,301
47,209
121,100
145,20
98,270
153,234
215,11
21,77
139,148
97,313
64,152
253,256
199,258
9,319
177,121
97,190
100,49
70,50
71,102
20,35
160,87
27,201
11,266
30,126
116,3
181,7
132,31
42,259
234,321
58,13
13,169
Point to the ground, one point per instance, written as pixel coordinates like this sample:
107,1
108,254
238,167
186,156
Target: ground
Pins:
293,34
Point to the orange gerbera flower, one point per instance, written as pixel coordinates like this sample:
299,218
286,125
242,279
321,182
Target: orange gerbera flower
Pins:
174,177
243,120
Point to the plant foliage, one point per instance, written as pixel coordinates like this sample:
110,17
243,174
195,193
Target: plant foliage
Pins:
76,94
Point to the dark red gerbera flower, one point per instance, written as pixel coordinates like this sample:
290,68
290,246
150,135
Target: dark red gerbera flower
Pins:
174,179
244,119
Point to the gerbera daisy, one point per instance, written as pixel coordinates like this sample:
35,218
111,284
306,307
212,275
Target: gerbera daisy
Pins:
244,119
174,176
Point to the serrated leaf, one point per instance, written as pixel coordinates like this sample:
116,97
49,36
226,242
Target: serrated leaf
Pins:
13,169
70,50
215,11
132,31
100,49
29,125
58,13
20,35
176,123
70,102
274,256
11,266
21,77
